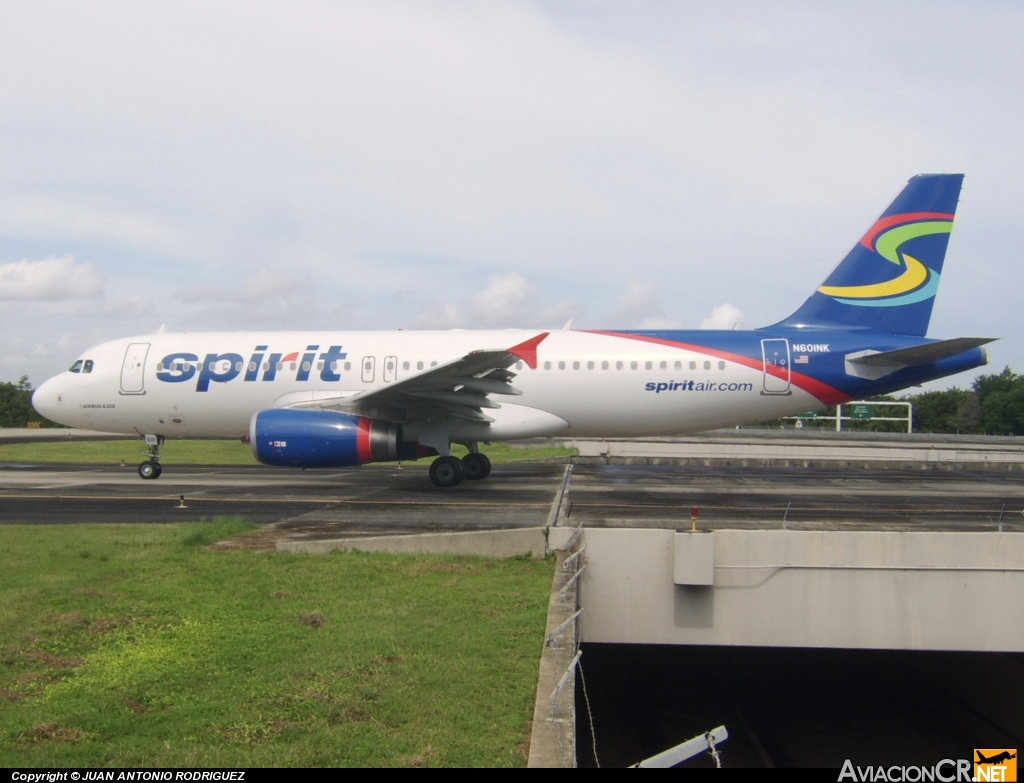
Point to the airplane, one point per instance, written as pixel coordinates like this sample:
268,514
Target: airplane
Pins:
996,759
323,399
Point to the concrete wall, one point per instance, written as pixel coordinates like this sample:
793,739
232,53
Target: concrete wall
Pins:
888,590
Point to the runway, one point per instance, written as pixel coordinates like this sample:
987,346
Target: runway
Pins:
381,499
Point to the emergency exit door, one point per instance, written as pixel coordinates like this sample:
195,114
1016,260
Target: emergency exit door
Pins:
369,368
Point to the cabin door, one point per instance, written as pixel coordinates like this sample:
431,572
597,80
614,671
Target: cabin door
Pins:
777,372
133,369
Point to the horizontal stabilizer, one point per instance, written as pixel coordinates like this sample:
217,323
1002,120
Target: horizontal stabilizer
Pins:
874,364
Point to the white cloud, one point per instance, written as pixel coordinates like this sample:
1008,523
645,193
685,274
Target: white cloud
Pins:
660,322
127,308
725,317
261,286
51,279
509,300
639,306
438,315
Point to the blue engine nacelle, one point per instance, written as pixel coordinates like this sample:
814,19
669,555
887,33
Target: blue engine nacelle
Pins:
325,439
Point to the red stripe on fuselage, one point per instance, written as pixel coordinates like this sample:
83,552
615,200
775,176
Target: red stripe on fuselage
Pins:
363,441
868,240
822,391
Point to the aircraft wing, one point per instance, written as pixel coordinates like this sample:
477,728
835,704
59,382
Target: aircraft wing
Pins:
461,388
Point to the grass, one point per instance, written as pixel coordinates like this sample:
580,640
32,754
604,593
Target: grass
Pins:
210,452
134,645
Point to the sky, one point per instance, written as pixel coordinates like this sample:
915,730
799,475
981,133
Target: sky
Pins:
382,165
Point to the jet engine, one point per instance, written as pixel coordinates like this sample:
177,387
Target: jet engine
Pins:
288,437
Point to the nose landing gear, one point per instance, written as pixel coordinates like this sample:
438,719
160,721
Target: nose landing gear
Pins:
150,469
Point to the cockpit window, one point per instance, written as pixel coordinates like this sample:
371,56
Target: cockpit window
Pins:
87,367
76,367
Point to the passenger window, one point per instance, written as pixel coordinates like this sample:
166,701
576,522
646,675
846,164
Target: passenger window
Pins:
76,367
238,366
679,365
590,365
547,365
575,365
604,365
693,365
292,366
561,365
664,365
649,365
305,366
721,365
419,365
252,366
519,365
266,366
618,365
405,365
319,365
87,367
707,365
160,367
348,366
280,365
433,364
633,365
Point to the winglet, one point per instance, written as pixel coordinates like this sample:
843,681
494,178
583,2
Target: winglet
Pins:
527,351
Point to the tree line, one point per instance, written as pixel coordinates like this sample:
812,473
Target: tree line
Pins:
16,405
994,405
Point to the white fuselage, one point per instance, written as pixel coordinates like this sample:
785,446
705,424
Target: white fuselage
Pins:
585,384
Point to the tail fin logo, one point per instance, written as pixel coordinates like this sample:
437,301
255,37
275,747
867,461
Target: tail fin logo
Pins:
885,237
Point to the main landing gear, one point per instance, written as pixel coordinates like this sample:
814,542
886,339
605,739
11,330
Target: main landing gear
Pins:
450,471
150,469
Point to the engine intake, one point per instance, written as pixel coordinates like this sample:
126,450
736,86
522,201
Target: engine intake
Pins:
325,439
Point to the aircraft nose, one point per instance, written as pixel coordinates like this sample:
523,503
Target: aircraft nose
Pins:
44,399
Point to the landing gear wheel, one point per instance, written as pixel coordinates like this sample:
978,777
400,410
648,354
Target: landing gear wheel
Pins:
446,472
476,466
159,470
149,469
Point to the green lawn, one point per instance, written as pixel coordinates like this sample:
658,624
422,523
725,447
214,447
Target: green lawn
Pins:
134,645
209,452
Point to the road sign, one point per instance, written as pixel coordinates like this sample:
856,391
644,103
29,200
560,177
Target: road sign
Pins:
860,411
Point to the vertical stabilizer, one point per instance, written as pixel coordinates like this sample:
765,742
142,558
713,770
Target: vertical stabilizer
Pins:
889,280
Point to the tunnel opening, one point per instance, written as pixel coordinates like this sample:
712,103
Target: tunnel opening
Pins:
796,707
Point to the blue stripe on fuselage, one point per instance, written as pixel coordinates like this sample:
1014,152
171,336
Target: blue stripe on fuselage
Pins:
827,368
